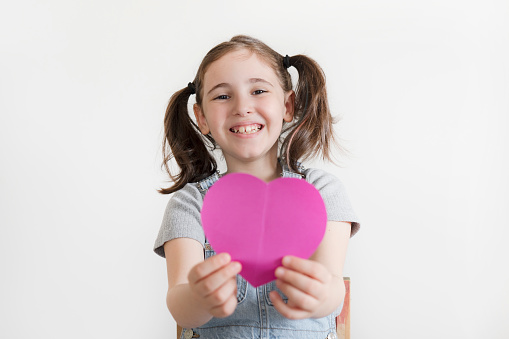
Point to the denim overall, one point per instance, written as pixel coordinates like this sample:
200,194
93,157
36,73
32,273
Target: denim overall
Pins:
255,315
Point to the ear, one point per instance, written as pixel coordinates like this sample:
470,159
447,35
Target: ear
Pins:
290,106
201,120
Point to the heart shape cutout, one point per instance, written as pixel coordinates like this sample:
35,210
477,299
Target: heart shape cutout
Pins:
259,223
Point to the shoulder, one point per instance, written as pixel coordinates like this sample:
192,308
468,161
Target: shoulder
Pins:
322,180
334,196
329,186
184,205
181,218
188,196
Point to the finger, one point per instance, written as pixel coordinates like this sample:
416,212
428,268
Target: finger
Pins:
286,310
215,280
300,281
297,298
208,266
225,309
308,267
222,293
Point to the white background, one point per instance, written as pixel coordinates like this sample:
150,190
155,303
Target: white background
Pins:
423,92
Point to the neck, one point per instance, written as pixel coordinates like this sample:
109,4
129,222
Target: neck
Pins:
266,168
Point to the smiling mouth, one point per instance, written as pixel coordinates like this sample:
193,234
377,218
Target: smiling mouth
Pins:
247,129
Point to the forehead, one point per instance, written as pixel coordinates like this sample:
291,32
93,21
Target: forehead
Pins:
238,65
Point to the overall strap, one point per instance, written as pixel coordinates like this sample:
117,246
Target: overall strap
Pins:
206,183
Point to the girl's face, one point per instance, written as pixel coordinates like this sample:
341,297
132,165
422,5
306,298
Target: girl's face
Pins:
243,107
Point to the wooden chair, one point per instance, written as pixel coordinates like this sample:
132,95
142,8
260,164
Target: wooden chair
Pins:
342,320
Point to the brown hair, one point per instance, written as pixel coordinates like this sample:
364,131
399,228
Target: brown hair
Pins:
308,135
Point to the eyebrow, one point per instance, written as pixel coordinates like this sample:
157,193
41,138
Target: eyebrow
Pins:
255,80
251,81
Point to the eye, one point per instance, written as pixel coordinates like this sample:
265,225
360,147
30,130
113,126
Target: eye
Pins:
222,97
259,91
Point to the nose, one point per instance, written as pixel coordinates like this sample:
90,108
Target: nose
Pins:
243,105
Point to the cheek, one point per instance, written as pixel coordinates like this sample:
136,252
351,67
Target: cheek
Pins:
273,106
276,127
214,123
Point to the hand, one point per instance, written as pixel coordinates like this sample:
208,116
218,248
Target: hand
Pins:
214,284
306,283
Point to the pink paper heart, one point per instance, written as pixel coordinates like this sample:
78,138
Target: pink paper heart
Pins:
258,223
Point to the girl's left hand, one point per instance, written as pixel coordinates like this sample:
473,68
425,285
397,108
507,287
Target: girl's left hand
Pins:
306,283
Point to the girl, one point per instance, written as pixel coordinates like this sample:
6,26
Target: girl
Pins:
245,105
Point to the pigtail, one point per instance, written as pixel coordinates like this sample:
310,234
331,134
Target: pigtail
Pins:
312,132
185,143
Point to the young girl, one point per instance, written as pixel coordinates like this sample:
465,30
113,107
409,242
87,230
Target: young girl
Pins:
246,106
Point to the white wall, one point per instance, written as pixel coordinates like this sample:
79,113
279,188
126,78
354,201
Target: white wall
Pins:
423,91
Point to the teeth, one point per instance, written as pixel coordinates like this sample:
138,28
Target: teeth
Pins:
250,129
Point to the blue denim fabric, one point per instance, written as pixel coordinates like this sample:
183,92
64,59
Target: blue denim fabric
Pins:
255,316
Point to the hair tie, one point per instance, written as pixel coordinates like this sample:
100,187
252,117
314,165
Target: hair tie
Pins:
191,87
286,61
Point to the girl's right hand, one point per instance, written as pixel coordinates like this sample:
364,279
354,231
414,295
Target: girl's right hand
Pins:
214,284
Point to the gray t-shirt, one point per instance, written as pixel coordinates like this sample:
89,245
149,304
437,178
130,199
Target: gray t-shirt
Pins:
182,216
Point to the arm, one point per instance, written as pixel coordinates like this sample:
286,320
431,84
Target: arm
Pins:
199,289
314,287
